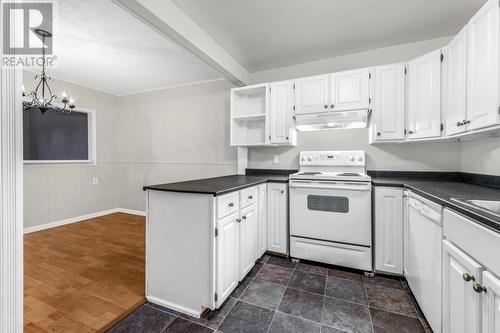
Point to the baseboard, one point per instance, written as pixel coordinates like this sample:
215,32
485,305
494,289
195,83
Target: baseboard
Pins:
173,306
81,218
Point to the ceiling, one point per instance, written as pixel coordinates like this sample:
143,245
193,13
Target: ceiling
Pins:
100,45
264,34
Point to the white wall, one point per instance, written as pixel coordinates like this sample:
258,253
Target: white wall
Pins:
482,156
173,135
54,192
415,156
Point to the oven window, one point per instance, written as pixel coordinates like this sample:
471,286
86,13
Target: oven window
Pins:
328,203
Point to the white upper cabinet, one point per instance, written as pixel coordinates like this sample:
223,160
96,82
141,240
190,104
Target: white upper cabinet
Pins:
389,103
281,113
454,78
424,96
311,94
389,230
483,87
350,90
461,304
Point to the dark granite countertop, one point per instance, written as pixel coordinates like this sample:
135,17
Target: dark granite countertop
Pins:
215,186
272,175
442,192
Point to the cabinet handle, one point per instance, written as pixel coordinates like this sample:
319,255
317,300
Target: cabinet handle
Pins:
231,204
238,220
378,133
410,132
465,122
250,197
332,106
282,191
478,288
244,217
460,124
467,277
326,106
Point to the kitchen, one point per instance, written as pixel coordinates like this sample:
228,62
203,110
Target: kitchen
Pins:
289,175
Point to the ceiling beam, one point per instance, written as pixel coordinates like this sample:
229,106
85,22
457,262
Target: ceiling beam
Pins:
165,17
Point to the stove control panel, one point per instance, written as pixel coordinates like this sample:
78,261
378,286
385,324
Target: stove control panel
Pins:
332,158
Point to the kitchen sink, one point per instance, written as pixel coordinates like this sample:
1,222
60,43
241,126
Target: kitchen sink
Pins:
492,207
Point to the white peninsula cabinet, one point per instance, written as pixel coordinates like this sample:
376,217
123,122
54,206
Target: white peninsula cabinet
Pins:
471,269
424,96
388,230
389,103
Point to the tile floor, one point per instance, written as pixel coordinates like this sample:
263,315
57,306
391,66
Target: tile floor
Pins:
281,296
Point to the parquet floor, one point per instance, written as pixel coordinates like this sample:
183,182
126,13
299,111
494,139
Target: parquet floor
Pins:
84,277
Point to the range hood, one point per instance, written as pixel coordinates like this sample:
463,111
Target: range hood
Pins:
332,120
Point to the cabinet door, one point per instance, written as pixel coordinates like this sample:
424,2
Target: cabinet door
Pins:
424,96
461,304
455,84
281,115
483,67
491,304
277,235
262,221
247,240
227,256
389,230
311,94
350,90
389,102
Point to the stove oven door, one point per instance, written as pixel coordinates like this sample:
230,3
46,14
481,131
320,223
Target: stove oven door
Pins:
336,211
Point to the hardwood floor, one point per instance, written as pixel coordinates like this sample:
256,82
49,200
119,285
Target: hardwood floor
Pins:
84,277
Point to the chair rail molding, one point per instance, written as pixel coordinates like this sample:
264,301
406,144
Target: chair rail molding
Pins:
11,195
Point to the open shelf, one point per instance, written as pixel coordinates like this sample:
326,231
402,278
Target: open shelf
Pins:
250,117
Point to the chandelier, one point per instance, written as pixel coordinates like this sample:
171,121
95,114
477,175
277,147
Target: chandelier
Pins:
42,97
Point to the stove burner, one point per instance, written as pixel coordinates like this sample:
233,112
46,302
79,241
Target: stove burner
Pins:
311,173
349,174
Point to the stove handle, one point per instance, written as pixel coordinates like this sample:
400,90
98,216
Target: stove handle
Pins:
331,186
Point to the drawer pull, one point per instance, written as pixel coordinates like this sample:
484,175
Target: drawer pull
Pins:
467,277
478,288
231,204
244,217
238,220
250,197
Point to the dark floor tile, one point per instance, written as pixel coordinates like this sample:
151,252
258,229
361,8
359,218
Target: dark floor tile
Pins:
311,282
312,268
145,319
245,317
241,288
302,304
391,300
346,289
227,306
264,258
345,275
391,322
394,283
255,270
265,294
283,323
180,325
328,329
346,316
275,274
212,320
283,262
164,309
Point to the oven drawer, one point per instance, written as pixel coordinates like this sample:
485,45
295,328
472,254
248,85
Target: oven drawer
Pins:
358,257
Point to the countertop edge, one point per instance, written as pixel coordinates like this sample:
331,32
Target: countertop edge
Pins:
214,193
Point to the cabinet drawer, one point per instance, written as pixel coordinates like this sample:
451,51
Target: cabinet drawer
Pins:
480,243
248,196
227,204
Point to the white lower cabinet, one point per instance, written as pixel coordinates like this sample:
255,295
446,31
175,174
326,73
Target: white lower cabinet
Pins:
389,230
277,218
461,304
491,304
262,221
247,240
227,256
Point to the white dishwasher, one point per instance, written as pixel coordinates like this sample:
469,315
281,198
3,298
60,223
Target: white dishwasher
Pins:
423,247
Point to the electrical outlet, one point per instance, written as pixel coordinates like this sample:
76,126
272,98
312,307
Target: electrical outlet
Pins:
95,181
275,159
